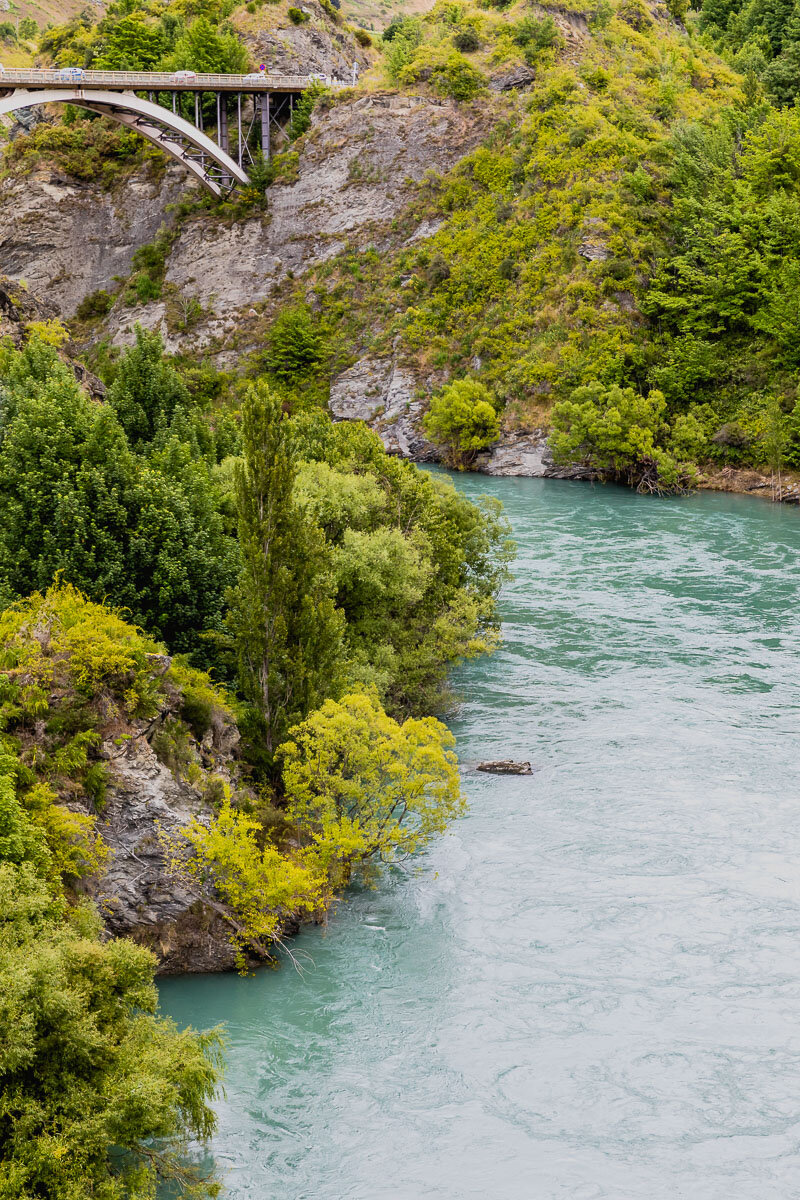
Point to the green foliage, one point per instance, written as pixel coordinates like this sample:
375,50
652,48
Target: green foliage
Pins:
287,630
147,391
130,44
68,670
296,15
149,264
144,532
301,117
204,48
447,70
624,436
89,1075
87,150
262,886
361,785
96,304
762,37
28,29
463,420
415,566
295,345
723,297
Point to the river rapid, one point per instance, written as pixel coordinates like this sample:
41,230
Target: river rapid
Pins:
590,988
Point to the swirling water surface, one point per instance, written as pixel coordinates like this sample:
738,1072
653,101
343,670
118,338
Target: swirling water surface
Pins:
590,989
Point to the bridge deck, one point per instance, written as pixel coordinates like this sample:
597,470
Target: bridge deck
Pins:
152,81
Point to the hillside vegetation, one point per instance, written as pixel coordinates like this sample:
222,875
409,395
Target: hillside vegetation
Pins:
632,225
628,227
331,587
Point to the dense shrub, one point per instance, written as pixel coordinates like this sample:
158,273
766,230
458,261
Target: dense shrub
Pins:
463,420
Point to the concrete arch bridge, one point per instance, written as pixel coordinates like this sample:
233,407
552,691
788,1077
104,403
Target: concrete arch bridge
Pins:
148,102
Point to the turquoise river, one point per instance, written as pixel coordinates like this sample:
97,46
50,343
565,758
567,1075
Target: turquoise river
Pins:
590,988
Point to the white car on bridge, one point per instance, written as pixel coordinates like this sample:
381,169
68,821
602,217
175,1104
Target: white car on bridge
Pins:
71,73
184,76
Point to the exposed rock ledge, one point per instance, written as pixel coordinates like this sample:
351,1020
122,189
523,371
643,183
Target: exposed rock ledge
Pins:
388,397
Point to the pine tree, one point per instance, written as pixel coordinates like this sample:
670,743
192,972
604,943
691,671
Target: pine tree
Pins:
288,632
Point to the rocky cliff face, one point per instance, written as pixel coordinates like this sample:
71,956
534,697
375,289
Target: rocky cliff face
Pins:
67,238
140,895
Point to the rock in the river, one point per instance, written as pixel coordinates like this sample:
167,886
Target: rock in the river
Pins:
505,766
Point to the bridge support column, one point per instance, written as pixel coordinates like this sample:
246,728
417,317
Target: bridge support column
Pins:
222,122
174,101
239,146
265,125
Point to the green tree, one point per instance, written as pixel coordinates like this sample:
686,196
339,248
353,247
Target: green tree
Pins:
146,390
209,50
99,1096
130,44
295,345
416,566
360,785
462,418
288,633
625,436
75,499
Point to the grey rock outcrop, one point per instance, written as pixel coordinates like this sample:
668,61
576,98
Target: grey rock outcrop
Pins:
67,238
140,896
516,454
384,395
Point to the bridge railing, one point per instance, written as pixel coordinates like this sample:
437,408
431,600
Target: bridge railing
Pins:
157,81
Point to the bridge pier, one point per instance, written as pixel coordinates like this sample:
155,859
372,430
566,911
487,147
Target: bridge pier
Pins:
222,122
265,126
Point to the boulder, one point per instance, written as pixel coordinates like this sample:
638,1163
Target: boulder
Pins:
505,766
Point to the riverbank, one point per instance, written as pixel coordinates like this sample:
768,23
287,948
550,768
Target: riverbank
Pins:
527,455
561,1001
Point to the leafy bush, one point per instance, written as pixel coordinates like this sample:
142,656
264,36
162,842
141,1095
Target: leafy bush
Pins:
448,71
297,16
467,39
362,37
625,436
463,420
295,345
360,785
262,886
97,304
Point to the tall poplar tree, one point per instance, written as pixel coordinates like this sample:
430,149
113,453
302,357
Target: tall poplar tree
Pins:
288,631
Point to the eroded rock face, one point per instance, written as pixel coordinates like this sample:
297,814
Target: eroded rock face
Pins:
143,893
67,239
355,171
384,395
516,454
139,896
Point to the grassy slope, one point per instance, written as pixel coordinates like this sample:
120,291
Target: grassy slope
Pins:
504,289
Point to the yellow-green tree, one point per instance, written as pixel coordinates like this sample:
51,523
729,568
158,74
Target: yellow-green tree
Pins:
360,784
463,420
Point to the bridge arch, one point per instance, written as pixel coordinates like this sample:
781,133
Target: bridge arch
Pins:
215,169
